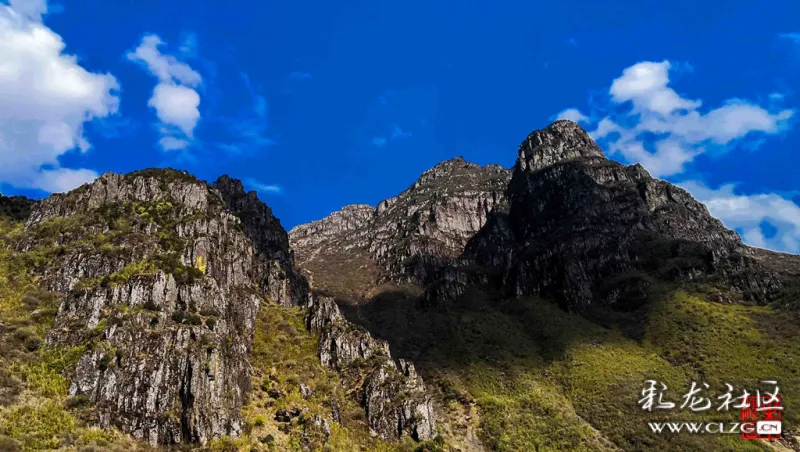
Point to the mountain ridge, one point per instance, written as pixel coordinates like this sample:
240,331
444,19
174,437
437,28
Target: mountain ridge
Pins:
158,287
562,146
471,312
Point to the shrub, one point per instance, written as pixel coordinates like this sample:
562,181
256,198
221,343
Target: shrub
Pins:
178,316
8,444
37,428
33,343
200,264
193,319
76,401
259,421
42,379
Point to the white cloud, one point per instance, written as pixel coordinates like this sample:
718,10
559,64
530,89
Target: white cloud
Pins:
169,143
397,133
32,9
748,212
174,99
264,188
46,98
176,105
64,179
678,131
573,114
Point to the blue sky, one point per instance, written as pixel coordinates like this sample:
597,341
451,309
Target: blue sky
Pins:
319,104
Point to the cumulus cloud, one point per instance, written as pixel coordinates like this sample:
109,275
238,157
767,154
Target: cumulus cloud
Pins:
663,130
32,9
749,212
174,98
47,98
573,114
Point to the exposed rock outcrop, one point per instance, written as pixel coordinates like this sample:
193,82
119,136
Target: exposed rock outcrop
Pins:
391,392
565,223
408,237
582,228
162,276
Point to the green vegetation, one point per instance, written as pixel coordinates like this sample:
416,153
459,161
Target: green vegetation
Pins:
525,375
15,208
284,356
38,427
164,175
35,411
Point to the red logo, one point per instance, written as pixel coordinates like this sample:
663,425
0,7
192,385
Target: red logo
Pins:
761,419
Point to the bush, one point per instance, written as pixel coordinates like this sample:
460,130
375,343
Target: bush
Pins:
178,316
259,421
33,344
37,428
76,401
8,444
193,319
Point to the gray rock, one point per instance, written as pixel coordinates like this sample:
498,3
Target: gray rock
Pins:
408,237
394,396
167,357
578,221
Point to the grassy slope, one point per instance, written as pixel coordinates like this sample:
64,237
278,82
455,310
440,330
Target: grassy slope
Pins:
544,379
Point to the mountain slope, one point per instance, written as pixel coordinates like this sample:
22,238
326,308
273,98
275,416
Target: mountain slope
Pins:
578,220
407,237
153,309
537,329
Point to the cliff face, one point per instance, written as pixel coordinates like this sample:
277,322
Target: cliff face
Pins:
566,223
584,229
390,391
407,238
164,300
161,281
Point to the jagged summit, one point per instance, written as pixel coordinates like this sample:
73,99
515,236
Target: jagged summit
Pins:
456,171
561,140
430,221
564,223
348,218
160,284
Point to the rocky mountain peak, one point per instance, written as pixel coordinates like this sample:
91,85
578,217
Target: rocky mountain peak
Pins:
454,172
348,218
561,140
408,235
149,185
160,277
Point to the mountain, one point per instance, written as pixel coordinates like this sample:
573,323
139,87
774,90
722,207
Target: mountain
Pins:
482,308
167,311
405,238
545,290
565,222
